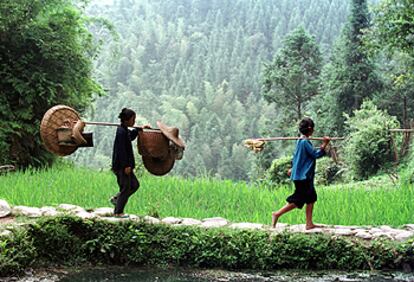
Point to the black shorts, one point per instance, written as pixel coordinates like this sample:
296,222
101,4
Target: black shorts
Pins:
305,193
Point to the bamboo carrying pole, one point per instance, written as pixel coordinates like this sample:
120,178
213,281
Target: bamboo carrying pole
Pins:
257,144
402,130
100,123
295,138
112,124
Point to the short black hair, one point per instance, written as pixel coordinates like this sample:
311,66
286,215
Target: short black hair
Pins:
305,125
126,114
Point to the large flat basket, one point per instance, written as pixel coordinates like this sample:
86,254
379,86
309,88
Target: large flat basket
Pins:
56,117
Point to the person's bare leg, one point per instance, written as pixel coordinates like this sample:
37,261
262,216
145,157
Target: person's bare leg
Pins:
309,216
285,209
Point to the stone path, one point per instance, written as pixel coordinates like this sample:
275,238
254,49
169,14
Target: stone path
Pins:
7,214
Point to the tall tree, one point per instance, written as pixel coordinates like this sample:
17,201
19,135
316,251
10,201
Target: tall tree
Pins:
398,96
392,33
351,76
46,56
292,79
393,26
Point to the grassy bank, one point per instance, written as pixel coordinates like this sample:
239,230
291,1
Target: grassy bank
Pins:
72,241
201,198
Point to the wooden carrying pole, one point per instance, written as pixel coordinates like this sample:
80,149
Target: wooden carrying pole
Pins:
295,138
257,144
101,123
112,124
402,130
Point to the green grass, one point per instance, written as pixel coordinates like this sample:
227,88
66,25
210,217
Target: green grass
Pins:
202,198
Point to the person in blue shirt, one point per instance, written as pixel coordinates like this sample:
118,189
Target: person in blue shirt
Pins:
123,162
303,173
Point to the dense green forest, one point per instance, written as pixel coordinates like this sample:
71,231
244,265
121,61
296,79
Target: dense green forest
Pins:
198,65
220,71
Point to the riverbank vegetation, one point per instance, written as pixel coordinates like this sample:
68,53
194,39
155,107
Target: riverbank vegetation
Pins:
355,203
72,241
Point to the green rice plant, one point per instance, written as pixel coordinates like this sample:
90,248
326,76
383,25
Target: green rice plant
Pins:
373,202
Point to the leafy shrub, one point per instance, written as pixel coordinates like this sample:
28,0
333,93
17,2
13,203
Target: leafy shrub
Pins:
56,241
277,173
70,241
296,250
16,253
327,171
37,76
369,148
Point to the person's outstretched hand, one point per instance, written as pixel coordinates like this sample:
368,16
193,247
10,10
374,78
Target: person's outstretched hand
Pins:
325,142
128,170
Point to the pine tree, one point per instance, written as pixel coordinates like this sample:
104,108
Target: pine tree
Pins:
352,76
292,79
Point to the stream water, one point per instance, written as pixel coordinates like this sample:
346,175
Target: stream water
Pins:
148,274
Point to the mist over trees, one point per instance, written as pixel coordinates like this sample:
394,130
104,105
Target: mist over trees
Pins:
198,65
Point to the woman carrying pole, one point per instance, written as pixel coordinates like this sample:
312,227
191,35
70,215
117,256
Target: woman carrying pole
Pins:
123,162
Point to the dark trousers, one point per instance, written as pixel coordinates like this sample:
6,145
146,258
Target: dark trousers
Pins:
305,193
128,185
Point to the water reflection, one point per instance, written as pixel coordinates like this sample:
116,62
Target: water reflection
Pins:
126,274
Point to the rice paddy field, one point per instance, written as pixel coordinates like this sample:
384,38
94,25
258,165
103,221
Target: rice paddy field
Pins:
364,203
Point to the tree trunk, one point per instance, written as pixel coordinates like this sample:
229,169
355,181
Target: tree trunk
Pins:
405,120
406,135
299,110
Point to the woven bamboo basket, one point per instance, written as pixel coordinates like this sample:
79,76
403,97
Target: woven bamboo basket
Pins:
57,117
153,143
153,146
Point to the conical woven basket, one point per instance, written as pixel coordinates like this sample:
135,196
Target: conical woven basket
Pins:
152,143
53,119
158,166
153,146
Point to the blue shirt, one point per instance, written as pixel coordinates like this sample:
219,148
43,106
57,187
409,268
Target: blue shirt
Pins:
304,160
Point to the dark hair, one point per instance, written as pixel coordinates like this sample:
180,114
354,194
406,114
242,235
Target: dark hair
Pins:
305,125
126,114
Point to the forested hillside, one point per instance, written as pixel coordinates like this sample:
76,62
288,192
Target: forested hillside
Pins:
198,65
